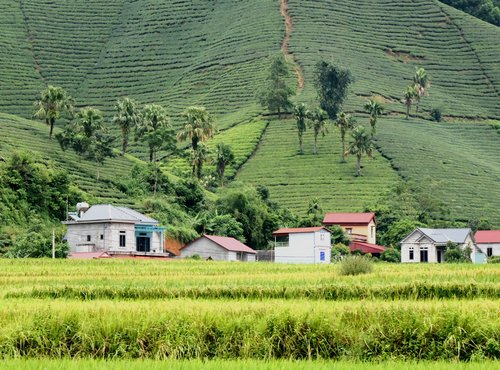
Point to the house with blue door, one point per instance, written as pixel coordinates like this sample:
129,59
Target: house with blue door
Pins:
302,245
113,229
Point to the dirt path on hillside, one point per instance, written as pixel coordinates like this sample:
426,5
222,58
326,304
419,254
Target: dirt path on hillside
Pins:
284,46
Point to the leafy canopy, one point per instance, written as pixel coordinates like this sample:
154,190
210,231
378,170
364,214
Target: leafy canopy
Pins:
332,84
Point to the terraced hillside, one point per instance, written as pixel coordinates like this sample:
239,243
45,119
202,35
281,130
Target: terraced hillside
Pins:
22,134
216,53
177,53
383,41
295,179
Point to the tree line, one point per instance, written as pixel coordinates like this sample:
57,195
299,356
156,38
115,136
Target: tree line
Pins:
86,133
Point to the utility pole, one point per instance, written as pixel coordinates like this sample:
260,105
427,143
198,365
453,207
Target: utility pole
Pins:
53,244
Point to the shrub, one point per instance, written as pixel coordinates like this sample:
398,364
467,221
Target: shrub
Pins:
356,265
494,259
339,250
436,114
391,255
455,254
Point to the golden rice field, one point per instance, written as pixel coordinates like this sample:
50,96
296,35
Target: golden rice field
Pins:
194,314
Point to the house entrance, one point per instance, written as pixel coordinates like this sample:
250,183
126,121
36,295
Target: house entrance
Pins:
440,254
143,244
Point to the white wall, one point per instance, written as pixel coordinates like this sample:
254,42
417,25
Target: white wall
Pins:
484,248
205,248
304,248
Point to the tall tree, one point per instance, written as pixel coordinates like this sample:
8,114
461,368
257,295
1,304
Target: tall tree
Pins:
408,98
315,212
224,156
361,144
421,83
54,101
374,109
332,84
300,113
127,117
88,136
276,95
199,126
317,122
198,157
344,122
155,130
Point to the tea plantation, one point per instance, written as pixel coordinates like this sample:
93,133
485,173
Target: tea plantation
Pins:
217,54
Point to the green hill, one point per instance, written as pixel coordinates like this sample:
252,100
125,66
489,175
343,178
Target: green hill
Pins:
216,53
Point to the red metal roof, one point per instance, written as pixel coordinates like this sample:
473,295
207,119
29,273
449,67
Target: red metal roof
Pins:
366,247
348,218
487,236
231,244
89,255
287,230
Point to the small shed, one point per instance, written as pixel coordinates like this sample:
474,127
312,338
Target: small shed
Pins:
218,248
488,241
374,249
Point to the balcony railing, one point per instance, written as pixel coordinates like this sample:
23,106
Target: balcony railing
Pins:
281,244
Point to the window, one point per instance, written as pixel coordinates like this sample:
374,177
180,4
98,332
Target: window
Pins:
122,239
489,252
88,238
424,255
102,236
372,231
321,236
348,230
412,254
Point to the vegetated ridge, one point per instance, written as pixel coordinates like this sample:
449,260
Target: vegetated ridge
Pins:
216,54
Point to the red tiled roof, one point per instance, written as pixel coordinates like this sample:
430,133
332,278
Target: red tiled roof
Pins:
287,230
366,247
348,218
487,236
231,244
89,255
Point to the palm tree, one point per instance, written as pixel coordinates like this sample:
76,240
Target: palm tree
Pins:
300,113
154,128
199,127
344,122
198,157
361,144
318,123
315,212
421,84
127,117
54,101
374,109
408,98
223,157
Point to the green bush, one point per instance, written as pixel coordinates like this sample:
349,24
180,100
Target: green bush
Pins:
339,250
455,254
436,114
391,255
494,259
356,265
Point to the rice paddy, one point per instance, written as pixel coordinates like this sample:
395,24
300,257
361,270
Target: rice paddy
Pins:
203,311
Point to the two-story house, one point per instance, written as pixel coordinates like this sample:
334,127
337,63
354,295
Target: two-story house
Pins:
359,226
302,245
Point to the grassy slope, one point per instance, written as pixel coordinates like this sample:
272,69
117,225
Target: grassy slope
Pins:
295,179
193,52
459,52
21,134
428,34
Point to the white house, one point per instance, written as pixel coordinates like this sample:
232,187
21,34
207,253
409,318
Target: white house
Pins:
302,245
219,248
429,245
488,241
116,230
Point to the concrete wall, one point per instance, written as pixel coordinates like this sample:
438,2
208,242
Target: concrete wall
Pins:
110,241
302,248
206,248
495,248
77,237
366,230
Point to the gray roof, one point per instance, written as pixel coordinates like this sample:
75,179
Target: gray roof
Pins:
446,235
106,212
